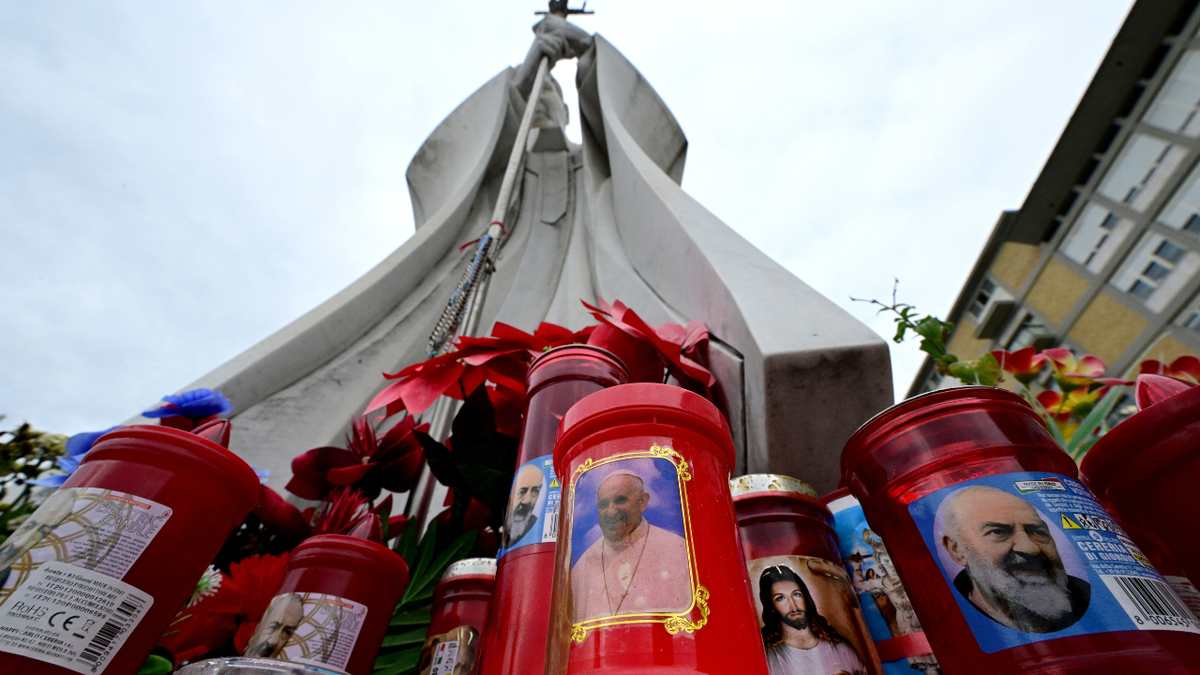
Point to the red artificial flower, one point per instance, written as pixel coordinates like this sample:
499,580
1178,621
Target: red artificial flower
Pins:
285,518
341,511
1023,364
389,462
675,345
197,629
1186,368
503,358
247,590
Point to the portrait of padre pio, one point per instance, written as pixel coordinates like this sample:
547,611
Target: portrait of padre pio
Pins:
630,554
1005,561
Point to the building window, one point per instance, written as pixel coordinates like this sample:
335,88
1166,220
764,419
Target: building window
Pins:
1156,271
982,298
1169,251
1183,211
1031,333
1140,171
1097,235
1175,107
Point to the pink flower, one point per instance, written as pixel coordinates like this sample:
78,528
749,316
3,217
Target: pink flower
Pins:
1023,364
1186,368
1071,374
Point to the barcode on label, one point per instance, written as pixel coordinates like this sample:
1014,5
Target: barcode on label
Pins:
1152,604
115,625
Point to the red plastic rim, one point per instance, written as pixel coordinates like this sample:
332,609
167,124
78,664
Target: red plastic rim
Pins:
642,402
349,553
189,451
935,403
1132,446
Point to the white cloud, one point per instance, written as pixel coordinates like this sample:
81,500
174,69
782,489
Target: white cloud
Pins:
180,180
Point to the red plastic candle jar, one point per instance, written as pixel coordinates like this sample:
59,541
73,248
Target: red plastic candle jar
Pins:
649,575
460,611
899,640
810,620
93,577
1146,471
1010,562
515,639
333,607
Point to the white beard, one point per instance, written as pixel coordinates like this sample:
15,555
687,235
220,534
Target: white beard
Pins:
1030,603
518,527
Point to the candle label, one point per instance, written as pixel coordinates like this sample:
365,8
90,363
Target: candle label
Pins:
312,628
808,617
532,505
885,605
1034,557
70,617
95,529
451,653
631,557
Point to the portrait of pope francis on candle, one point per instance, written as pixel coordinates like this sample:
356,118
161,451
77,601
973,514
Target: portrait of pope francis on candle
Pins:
628,523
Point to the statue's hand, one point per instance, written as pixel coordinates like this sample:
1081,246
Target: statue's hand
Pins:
553,47
578,40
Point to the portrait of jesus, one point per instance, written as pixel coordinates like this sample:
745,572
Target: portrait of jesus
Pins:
636,565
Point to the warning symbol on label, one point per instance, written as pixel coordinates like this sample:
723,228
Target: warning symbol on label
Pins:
1068,524
553,482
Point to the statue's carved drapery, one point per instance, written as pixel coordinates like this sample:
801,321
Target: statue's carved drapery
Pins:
796,374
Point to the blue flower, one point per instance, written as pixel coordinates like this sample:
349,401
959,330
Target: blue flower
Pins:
77,447
196,404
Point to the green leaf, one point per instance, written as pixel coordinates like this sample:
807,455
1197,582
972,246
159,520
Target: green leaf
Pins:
1100,411
156,665
1047,418
412,637
397,662
984,370
457,549
408,543
414,618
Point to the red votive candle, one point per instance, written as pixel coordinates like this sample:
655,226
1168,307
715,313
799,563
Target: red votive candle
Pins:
1146,471
93,577
809,616
899,640
460,611
333,607
515,639
1010,562
649,575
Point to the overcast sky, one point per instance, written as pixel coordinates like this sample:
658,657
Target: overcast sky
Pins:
179,180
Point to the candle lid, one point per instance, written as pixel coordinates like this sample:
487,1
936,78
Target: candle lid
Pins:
471,567
769,482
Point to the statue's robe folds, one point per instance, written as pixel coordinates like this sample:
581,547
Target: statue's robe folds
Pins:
796,374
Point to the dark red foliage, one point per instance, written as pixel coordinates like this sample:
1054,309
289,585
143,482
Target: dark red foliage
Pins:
370,463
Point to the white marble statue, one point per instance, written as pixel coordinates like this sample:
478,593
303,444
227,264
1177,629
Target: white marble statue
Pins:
796,374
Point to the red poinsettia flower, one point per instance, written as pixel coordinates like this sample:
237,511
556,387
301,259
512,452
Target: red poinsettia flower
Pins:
247,590
674,345
1023,364
1186,368
503,358
390,462
342,510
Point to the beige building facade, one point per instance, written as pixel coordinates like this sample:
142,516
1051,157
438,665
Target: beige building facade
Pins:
1103,257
